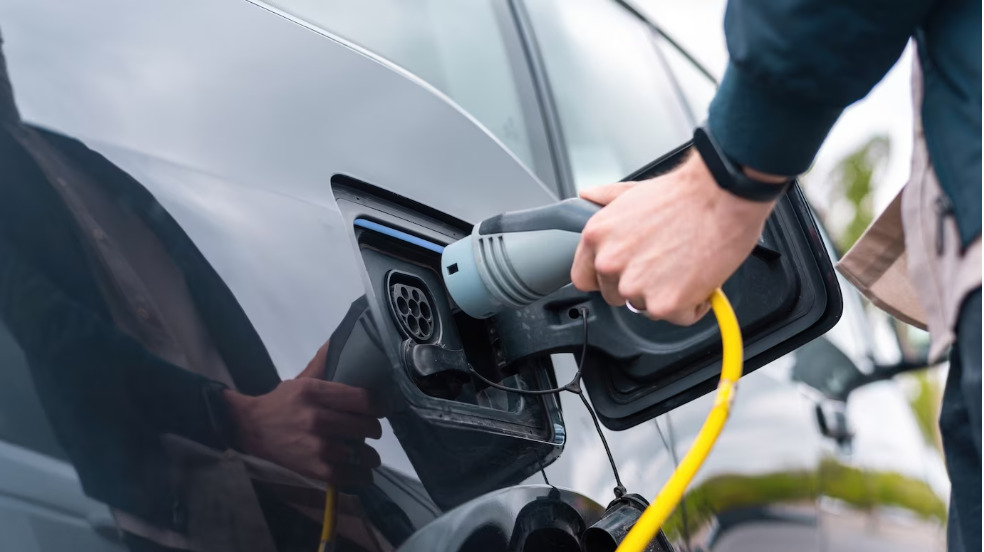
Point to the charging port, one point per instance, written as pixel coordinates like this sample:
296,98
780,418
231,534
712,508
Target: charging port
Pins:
441,345
412,306
462,437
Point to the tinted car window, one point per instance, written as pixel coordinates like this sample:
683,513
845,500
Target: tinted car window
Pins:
460,48
833,362
616,102
22,418
697,88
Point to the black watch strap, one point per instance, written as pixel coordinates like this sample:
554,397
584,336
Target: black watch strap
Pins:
219,418
729,176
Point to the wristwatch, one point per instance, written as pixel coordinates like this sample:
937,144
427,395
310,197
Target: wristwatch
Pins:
729,175
219,419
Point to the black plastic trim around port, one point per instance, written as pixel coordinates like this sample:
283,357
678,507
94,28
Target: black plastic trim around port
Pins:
459,450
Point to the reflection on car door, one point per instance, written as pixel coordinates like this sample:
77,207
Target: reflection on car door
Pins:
42,504
241,152
882,484
619,106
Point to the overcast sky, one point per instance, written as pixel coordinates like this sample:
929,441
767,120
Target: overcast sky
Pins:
698,26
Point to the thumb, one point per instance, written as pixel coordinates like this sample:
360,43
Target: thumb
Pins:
316,368
603,195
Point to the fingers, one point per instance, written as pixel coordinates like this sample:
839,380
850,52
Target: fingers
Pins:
684,316
341,397
609,271
701,310
585,274
350,454
316,368
603,195
345,425
339,474
346,476
346,464
592,271
608,286
680,315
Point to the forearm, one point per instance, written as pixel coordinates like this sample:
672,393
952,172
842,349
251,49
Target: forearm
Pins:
795,65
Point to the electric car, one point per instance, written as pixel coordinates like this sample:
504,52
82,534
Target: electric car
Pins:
315,156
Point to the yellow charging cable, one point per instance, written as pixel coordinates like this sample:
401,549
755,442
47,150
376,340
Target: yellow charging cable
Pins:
645,529
669,496
328,524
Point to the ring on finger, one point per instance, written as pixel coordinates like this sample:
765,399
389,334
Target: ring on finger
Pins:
632,308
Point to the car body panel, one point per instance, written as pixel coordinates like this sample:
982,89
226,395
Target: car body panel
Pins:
43,506
247,122
504,519
236,119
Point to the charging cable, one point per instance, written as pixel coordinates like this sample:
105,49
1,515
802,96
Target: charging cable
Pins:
330,520
649,523
573,387
669,496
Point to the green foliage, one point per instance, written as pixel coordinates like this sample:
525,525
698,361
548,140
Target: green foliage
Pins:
872,489
725,492
925,403
864,490
855,179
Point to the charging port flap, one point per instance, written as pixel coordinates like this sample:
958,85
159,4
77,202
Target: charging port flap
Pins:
785,294
463,437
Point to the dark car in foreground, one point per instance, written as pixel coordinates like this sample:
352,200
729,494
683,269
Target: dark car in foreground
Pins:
308,158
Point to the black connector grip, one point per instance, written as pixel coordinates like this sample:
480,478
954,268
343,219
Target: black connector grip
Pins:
570,215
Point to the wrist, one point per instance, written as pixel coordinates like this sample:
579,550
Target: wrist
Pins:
765,177
722,200
241,409
735,178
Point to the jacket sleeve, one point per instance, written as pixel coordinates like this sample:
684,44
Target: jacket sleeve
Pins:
795,65
95,382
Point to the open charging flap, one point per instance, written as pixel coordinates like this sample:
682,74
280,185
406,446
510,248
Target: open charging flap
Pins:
785,294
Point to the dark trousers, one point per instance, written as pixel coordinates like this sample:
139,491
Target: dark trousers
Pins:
960,425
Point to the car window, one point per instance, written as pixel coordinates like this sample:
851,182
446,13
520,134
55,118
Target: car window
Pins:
463,49
615,100
834,361
22,418
697,88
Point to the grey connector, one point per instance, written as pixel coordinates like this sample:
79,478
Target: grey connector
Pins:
512,260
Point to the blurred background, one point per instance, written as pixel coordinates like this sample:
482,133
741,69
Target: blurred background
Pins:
861,167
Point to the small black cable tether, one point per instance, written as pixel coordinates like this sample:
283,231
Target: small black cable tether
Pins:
574,387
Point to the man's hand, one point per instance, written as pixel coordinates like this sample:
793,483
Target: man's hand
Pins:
314,427
665,244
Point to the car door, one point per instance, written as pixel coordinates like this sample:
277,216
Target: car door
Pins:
740,498
266,152
42,504
608,130
318,179
882,483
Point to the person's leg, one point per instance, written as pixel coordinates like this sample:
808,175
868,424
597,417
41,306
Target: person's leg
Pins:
960,425
969,349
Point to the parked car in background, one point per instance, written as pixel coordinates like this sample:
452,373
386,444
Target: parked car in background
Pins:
315,153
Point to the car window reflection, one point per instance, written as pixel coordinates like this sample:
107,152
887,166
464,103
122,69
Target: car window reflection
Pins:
616,117
121,348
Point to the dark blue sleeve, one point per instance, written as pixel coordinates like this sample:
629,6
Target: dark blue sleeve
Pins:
795,65
94,381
